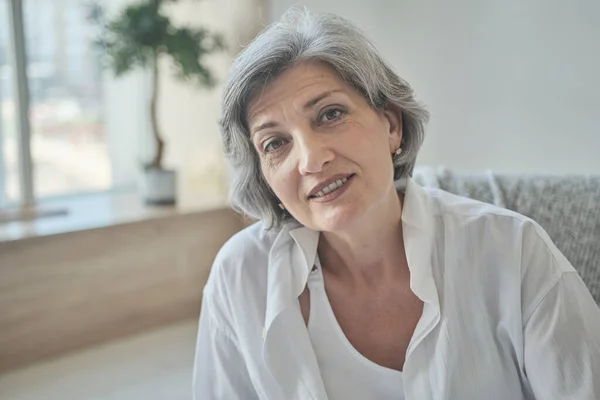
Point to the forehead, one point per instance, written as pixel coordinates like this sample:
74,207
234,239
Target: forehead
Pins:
297,84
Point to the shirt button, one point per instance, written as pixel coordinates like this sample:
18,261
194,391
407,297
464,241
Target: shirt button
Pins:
314,268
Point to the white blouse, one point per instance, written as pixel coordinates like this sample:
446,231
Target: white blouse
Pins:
505,315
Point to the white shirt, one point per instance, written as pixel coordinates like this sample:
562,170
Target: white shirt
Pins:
505,315
346,373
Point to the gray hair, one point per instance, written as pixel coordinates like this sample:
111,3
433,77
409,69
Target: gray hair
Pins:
300,36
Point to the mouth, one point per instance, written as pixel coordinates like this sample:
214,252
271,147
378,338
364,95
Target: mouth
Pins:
332,187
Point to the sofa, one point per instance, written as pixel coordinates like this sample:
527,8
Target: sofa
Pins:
566,206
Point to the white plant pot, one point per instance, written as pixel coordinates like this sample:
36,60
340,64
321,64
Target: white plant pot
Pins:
159,186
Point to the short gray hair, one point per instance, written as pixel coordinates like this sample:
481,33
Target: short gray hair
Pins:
300,36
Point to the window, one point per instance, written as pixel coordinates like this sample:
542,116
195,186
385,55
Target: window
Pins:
68,146
68,141
89,131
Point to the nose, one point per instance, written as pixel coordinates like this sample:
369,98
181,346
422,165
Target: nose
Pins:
315,151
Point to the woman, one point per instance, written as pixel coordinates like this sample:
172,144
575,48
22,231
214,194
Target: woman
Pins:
357,283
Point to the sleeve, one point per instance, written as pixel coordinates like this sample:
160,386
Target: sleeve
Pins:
561,329
219,369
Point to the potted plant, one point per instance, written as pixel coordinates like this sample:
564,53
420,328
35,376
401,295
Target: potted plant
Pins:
138,37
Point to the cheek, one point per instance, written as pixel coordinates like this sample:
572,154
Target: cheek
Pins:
280,177
369,140
368,126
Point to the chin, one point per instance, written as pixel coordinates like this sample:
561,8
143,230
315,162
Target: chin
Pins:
337,220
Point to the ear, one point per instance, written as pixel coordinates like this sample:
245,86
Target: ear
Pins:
393,122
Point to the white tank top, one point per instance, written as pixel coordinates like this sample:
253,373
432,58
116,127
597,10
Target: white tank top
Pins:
346,373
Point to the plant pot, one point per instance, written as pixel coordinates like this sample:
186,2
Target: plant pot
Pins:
159,186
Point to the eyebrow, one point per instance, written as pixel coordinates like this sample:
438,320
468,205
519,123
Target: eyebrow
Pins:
309,104
320,97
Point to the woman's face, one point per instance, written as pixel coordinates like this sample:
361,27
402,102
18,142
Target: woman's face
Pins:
324,151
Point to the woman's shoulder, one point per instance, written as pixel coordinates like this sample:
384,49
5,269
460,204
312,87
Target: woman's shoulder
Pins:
243,258
489,220
251,243
505,241
492,223
235,291
470,209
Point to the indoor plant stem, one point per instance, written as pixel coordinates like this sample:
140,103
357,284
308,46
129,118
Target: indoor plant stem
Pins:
159,142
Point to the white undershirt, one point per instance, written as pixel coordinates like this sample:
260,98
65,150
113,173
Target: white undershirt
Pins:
346,373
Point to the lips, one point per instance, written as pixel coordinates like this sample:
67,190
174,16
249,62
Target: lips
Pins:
329,185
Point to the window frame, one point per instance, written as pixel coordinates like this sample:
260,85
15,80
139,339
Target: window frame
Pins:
18,66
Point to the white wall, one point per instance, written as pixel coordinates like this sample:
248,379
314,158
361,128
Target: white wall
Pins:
511,85
188,114
126,116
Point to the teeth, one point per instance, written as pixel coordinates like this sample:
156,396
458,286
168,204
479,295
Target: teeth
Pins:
333,186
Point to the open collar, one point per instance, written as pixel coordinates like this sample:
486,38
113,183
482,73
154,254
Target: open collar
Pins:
419,215
294,251
287,349
291,259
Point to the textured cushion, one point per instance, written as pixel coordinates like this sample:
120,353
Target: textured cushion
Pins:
567,207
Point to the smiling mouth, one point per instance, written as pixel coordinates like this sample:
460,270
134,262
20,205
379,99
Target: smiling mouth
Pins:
331,188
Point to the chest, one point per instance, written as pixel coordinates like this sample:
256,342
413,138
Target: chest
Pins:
459,351
379,328
378,325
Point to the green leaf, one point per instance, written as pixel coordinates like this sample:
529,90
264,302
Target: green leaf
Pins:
188,48
140,32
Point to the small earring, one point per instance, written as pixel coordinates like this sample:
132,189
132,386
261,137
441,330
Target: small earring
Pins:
398,152
282,206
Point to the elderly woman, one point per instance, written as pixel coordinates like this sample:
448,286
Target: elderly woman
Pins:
357,283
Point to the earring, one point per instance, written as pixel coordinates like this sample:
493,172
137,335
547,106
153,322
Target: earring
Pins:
398,152
282,206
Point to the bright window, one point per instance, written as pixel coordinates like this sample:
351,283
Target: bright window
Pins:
68,137
68,141
89,131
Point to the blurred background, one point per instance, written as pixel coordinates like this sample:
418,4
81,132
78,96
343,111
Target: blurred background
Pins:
100,288
69,145
511,86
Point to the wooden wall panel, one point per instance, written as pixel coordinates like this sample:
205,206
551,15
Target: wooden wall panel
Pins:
65,292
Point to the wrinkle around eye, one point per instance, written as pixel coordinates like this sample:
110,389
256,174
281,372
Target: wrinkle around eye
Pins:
341,113
267,142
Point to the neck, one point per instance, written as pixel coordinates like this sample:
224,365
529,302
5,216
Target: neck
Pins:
372,249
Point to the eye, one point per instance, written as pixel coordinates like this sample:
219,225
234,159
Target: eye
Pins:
330,115
272,145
